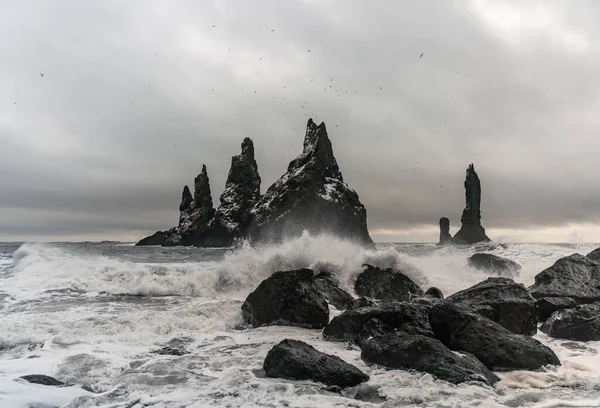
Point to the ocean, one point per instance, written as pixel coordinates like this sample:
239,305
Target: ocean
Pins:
94,314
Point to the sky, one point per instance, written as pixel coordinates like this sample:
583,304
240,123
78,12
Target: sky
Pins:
107,109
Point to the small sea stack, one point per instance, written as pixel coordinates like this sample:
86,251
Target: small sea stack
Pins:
471,231
445,237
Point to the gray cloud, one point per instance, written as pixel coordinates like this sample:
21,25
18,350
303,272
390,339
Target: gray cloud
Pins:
136,96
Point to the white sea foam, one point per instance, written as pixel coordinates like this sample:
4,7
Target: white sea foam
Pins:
73,313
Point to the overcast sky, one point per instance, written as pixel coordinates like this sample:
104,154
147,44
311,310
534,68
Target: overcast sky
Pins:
136,95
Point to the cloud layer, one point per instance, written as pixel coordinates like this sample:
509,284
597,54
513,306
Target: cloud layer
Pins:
108,108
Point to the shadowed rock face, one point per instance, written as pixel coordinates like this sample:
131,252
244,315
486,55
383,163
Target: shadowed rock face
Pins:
445,237
242,191
581,323
575,276
297,360
312,196
496,347
196,212
471,230
420,353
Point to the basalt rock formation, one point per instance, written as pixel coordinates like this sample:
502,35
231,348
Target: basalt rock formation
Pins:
296,360
575,276
502,300
420,353
471,230
496,347
445,237
311,196
581,323
495,264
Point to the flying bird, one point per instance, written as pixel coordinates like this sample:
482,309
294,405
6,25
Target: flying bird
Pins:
421,56
272,30
308,50
214,25
41,74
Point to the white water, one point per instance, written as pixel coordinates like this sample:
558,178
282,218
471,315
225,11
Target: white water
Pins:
65,313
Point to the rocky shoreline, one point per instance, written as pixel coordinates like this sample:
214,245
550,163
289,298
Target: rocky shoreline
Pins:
398,325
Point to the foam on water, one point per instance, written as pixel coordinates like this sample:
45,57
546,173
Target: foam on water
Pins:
72,314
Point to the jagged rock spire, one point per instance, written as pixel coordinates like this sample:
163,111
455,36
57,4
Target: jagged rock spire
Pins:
317,153
202,195
471,230
242,191
186,199
445,237
196,213
311,196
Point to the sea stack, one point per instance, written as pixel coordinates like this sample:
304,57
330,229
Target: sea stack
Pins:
445,237
471,230
311,196
242,191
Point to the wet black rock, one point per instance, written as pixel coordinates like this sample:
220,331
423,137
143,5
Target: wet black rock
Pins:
496,347
386,285
171,351
445,237
364,392
327,284
574,276
425,354
158,238
594,255
495,264
365,302
549,305
434,292
358,325
296,360
581,323
311,196
503,301
471,230
43,380
290,298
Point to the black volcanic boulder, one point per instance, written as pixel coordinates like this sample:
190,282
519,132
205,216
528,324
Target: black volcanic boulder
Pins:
574,276
490,343
358,325
495,264
594,255
386,284
43,380
445,237
296,360
434,293
581,323
328,286
503,301
311,196
471,230
425,354
549,305
288,298
158,238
